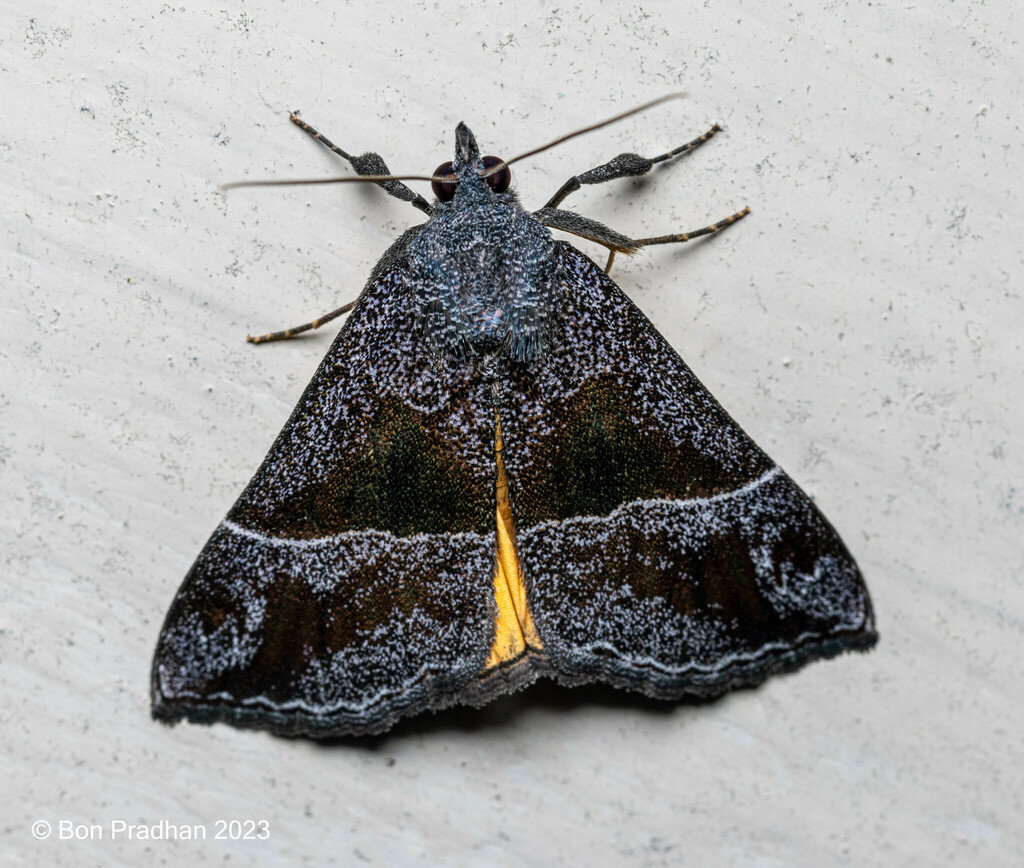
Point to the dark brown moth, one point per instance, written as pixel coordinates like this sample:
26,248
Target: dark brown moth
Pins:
500,471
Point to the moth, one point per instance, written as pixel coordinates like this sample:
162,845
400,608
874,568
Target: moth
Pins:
501,471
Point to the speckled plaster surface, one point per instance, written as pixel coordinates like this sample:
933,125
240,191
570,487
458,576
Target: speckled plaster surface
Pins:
863,325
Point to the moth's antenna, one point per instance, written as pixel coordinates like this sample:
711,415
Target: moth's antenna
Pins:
376,179
347,179
584,130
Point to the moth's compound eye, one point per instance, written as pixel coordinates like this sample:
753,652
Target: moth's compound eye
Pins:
445,190
499,181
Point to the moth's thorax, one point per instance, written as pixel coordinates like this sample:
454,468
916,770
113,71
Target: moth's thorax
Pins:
481,266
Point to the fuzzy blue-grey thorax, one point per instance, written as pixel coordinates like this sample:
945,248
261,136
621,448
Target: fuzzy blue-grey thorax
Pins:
482,268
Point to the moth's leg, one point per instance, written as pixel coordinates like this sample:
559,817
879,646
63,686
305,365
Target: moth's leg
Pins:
569,221
584,227
682,236
393,255
696,233
367,164
623,166
290,333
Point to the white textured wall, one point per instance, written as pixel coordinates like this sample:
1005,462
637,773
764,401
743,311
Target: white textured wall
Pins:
863,325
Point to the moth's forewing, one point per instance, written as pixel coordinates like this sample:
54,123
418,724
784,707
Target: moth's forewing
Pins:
662,549
352,580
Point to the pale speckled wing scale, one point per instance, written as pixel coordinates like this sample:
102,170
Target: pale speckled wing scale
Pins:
352,581
662,550
500,471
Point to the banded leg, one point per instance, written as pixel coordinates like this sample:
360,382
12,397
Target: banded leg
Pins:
624,166
680,237
367,164
584,227
290,333
696,233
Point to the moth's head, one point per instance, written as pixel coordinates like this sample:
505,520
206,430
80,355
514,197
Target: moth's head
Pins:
469,171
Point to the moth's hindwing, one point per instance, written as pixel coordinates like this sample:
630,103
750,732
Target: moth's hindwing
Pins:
662,550
352,581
